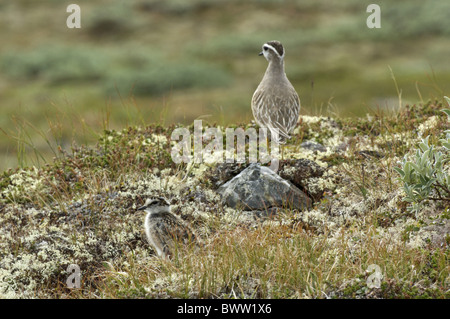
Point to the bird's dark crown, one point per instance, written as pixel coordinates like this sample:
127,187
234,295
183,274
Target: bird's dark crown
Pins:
276,45
154,202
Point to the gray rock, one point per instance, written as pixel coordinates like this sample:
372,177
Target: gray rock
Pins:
313,146
259,188
438,232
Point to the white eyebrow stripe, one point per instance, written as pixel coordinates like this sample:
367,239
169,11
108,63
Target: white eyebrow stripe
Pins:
272,48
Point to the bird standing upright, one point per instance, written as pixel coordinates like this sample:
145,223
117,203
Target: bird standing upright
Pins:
275,103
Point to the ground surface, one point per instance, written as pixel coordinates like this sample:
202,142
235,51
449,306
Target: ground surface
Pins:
81,210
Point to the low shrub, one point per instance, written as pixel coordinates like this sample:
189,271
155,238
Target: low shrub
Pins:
425,176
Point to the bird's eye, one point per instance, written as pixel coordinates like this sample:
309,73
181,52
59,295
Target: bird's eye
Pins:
265,48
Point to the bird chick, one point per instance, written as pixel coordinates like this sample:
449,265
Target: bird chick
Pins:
165,231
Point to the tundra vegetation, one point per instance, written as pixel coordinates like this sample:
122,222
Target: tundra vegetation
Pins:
79,155
81,209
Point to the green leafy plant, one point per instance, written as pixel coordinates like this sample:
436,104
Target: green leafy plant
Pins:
426,176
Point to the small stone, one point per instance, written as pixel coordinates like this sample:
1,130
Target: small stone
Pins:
313,146
370,154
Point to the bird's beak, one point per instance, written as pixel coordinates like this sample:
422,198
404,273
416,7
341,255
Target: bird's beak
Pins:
141,208
261,53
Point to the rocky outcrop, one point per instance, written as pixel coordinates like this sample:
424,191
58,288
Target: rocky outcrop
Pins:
259,188
300,172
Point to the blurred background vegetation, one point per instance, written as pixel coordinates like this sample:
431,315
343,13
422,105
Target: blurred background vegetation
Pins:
172,61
